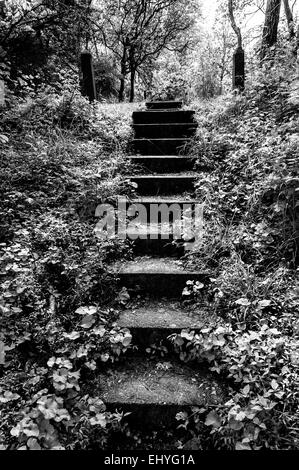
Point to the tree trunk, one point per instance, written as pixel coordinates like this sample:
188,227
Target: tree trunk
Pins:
270,26
132,91
221,82
290,18
239,56
121,94
88,82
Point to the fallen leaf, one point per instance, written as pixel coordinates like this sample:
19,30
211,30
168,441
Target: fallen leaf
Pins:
213,420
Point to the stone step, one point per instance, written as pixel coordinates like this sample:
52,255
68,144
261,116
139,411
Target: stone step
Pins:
155,321
163,117
158,277
164,105
160,131
154,392
147,201
157,239
160,146
163,184
163,163
152,204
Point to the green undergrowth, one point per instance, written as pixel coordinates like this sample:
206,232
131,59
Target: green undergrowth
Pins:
250,197
249,143
60,158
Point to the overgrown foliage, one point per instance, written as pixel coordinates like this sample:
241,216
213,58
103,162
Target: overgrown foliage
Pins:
60,157
250,145
59,302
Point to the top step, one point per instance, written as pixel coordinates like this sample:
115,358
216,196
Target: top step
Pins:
160,116
164,105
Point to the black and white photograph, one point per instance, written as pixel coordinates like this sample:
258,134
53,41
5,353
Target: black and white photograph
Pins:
149,229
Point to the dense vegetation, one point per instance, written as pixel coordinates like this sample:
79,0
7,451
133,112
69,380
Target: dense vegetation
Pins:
69,157
250,247
60,156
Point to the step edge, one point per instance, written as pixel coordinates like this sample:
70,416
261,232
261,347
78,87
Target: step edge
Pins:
159,273
159,157
164,201
160,177
170,329
173,139
186,124
185,111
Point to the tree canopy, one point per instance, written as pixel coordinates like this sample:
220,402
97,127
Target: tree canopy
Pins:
42,40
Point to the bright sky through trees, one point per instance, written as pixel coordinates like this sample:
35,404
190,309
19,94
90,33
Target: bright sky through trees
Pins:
209,8
254,17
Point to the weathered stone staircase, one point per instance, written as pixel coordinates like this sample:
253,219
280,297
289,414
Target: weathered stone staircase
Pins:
153,394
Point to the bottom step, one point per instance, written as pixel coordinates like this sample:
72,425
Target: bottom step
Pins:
154,392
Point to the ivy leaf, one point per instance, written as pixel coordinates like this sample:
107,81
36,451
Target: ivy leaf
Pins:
127,340
242,446
213,420
87,322
32,431
186,292
99,420
33,444
105,357
274,385
235,425
8,397
51,362
199,286
179,341
72,336
92,365
86,311
243,302
240,416
246,390
189,336
82,352
30,428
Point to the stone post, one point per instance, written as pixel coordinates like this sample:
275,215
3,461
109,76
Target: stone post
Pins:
239,69
88,82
